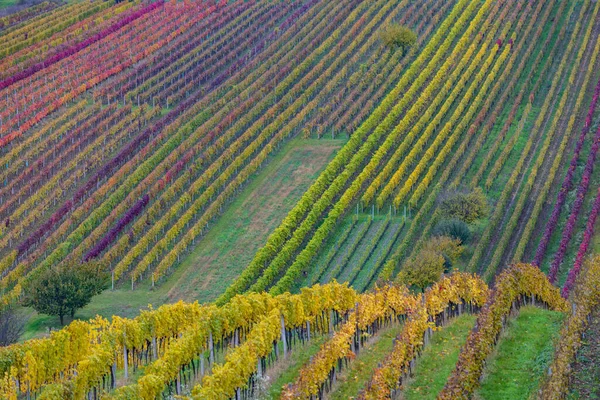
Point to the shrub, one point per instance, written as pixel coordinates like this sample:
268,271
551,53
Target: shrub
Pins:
454,228
423,270
446,246
436,257
467,207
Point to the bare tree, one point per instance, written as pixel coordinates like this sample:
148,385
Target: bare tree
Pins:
11,326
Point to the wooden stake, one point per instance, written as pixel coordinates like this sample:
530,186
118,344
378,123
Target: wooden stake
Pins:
125,366
283,336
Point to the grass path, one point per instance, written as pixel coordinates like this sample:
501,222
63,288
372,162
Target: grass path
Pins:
522,355
286,371
380,253
351,380
438,359
232,242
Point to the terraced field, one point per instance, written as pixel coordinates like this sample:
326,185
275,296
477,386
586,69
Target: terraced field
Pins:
344,187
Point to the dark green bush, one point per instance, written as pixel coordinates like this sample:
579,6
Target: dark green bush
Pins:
455,228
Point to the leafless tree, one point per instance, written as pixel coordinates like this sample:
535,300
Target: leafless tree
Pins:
11,326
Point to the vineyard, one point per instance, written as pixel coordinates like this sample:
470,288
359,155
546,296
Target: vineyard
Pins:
315,197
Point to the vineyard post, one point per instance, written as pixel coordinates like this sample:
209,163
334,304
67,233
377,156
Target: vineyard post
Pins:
283,337
125,367
259,368
113,375
154,349
356,340
331,322
112,279
308,329
211,348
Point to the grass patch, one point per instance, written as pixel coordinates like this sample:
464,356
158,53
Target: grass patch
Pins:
522,356
7,3
353,379
232,242
287,371
438,359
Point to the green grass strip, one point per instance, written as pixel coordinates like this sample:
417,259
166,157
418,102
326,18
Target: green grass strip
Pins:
288,370
351,381
438,359
522,356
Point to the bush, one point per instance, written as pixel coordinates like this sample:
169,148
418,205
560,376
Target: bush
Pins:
423,270
436,257
397,36
467,207
446,246
454,228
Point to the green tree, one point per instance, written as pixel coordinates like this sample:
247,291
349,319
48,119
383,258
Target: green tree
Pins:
436,257
423,270
398,36
61,290
467,207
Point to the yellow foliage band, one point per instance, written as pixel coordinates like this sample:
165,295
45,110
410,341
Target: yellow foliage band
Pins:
454,290
252,312
391,301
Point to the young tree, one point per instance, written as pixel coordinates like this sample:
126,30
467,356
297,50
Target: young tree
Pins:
397,36
423,270
467,207
61,290
11,326
435,258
